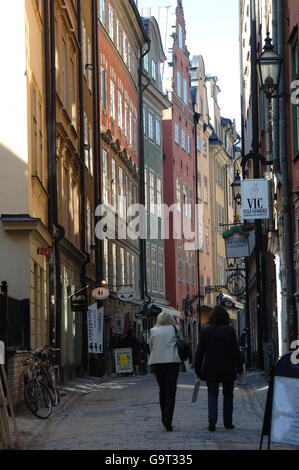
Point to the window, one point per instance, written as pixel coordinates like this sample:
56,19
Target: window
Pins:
120,109
112,99
102,12
151,126
184,139
180,260
207,241
206,189
199,187
178,195
86,139
181,37
105,178
40,143
161,271
118,36
125,48
179,85
84,49
205,147
91,150
126,120
113,184
176,133
135,136
159,197
103,88
111,22
129,58
34,123
88,229
121,182
152,193
144,122
158,133
145,63
154,269
185,90
106,261
190,145
154,70
191,203
133,272
89,70
146,189
187,267
192,268
64,77
148,267
114,267
198,143
185,200
122,266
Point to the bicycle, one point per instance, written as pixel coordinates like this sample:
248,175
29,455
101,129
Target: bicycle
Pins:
36,393
50,373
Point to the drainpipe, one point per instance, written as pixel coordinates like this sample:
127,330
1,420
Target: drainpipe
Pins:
143,279
275,128
53,177
286,210
82,185
49,150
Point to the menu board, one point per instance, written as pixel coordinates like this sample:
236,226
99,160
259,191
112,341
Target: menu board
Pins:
285,411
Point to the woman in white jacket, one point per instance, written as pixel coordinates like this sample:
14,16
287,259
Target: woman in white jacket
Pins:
165,361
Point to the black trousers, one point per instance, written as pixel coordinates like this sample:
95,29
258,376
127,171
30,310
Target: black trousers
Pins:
167,377
228,397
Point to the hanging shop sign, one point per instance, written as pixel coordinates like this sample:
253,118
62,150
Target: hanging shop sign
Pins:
95,325
236,243
100,293
44,251
126,293
255,199
281,420
123,360
79,302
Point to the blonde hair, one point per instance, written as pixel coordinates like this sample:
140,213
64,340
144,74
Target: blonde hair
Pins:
164,319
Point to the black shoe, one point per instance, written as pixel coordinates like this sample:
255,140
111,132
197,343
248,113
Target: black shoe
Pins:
212,427
168,427
230,426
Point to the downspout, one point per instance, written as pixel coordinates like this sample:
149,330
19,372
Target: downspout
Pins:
275,128
143,279
82,186
53,165
49,151
286,209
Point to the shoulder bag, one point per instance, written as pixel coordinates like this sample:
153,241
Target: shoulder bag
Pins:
183,346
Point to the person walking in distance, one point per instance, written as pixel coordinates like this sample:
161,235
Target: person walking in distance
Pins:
164,360
218,360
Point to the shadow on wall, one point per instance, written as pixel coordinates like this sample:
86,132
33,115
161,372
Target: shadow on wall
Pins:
13,182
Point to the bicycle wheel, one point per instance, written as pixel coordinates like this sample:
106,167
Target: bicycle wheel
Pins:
38,399
52,386
57,380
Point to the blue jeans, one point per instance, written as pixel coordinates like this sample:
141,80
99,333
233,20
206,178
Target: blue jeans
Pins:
228,396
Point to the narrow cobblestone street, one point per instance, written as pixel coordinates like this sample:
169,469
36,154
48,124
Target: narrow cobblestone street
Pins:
123,414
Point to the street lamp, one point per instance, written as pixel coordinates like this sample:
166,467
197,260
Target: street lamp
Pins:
269,68
236,188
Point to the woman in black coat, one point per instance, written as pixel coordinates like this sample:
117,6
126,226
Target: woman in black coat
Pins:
217,360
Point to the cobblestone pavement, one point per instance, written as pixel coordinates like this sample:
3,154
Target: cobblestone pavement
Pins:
124,414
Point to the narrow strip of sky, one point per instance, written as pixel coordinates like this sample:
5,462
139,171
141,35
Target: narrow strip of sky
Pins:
213,32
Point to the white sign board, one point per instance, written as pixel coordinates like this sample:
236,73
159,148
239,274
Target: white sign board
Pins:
126,293
255,199
2,353
95,324
123,360
237,246
285,411
118,325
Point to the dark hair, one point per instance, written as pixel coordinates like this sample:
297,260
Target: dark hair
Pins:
219,315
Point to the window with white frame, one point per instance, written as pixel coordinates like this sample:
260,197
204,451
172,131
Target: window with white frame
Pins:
180,36
185,90
190,145
104,88
161,271
191,203
144,122
154,269
152,194
131,128
205,151
180,261
145,63
154,70
105,178
146,189
118,35
103,12
184,139
122,266
158,132
179,84
199,186
113,184
159,197
106,261
120,109
125,48
207,241
121,185
151,126
114,266
112,99
111,22
198,143
185,200
187,267
148,267
176,133
126,120
178,195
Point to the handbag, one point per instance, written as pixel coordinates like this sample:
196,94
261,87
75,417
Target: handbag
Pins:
183,346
